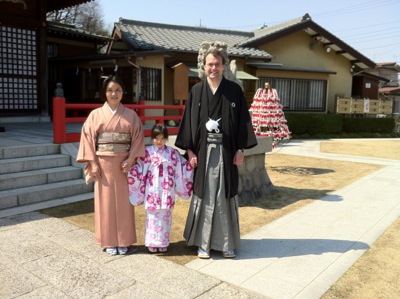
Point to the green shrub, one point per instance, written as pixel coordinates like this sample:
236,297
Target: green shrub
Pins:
313,123
368,124
329,124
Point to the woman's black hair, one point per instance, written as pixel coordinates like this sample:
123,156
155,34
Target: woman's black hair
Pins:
159,129
111,78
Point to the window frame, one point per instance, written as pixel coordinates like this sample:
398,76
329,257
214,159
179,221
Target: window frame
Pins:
150,87
299,94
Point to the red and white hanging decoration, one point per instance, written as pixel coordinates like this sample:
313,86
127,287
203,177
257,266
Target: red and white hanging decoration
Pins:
268,118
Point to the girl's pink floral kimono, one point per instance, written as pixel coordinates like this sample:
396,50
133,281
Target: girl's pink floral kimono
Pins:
155,180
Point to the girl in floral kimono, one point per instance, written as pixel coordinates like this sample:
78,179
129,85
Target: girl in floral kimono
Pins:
155,180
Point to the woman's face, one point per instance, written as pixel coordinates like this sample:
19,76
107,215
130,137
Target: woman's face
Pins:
114,94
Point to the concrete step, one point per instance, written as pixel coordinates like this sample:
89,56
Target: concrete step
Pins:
33,163
38,177
29,151
41,193
45,204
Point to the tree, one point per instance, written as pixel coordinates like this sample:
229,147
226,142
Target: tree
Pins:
88,16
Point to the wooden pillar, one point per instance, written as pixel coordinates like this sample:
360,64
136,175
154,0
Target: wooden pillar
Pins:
42,60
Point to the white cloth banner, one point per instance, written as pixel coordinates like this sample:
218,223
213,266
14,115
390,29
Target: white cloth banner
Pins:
366,105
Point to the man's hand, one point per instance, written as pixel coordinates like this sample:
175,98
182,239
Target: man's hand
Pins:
239,158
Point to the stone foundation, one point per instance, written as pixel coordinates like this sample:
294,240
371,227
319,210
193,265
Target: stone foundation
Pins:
254,181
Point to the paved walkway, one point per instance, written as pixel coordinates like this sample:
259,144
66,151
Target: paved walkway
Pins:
297,256
303,253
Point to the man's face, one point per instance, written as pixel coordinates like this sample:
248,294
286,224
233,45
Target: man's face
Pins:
213,66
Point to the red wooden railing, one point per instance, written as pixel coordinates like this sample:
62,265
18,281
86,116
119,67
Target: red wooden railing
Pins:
60,118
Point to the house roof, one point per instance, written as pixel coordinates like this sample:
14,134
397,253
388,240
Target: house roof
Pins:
372,76
280,67
389,65
71,30
57,5
390,90
174,38
241,75
319,34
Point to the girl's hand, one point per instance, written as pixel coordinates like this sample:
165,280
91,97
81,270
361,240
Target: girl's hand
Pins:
192,158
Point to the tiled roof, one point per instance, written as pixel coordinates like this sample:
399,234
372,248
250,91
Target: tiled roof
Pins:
393,89
154,36
260,33
72,30
305,23
57,5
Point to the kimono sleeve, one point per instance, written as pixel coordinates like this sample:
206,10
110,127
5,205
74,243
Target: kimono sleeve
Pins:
183,177
87,147
87,144
137,182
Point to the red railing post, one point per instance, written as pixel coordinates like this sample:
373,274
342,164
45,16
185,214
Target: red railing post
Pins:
140,111
59,118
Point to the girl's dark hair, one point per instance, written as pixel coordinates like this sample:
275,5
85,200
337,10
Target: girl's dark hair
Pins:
159,129
111,78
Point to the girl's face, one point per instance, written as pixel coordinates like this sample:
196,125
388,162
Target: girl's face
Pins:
159,141
114,94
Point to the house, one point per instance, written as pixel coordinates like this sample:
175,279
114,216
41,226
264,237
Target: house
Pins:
162,52
27,44
312,66
65,44
391,89
309,66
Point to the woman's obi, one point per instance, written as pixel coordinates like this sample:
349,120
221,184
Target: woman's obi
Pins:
113,142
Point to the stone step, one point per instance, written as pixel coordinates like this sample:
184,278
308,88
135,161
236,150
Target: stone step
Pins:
29,151
38,177
45,204
35,194
33,163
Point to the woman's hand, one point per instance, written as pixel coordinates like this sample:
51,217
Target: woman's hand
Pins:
95,170
127,164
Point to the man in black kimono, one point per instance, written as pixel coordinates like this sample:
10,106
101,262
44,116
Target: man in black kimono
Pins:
215,129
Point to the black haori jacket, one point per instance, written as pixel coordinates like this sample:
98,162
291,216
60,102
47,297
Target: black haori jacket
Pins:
236,128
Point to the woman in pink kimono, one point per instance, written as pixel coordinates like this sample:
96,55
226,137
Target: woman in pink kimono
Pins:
111,141
155,180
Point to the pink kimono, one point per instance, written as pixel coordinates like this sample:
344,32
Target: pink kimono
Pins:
155,180
114,215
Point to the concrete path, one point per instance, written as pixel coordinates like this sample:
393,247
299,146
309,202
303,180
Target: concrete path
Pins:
297,256
302,254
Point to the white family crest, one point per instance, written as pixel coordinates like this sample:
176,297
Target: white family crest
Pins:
213,125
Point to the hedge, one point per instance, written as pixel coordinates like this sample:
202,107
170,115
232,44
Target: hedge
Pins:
314,123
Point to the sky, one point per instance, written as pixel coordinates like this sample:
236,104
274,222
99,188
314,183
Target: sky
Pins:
370,27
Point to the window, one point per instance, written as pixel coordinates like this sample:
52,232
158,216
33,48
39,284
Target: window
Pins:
299,94
18,70
151,84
